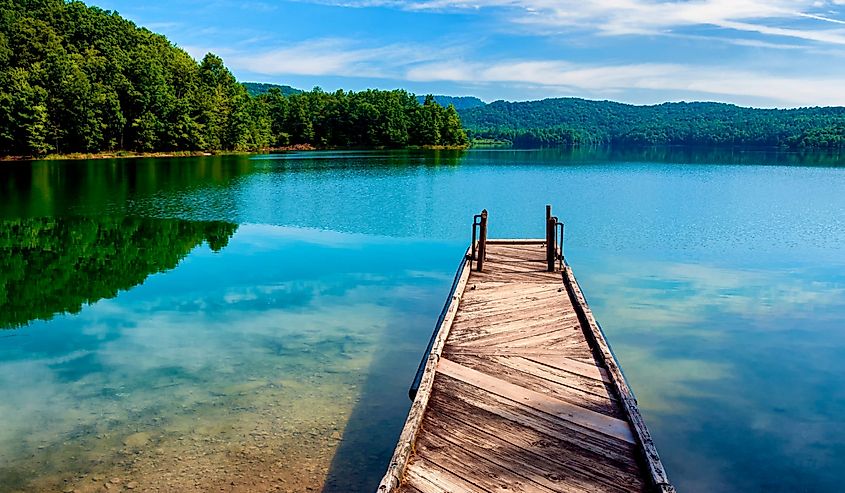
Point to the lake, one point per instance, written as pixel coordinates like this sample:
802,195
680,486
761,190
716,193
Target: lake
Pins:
252,323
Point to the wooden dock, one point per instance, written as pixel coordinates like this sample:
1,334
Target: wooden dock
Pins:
519,391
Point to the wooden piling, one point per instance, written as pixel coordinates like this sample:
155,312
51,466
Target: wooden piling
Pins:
482,241
551,250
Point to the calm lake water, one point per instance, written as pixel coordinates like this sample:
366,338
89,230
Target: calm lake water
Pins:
249,323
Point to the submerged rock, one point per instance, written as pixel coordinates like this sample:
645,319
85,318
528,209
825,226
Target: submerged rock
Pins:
137,439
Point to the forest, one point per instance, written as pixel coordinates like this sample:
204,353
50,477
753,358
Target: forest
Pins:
578,122
75,78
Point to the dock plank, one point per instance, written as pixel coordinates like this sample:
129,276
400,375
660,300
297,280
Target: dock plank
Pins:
519,394
427,477
568,453
579,415
537,460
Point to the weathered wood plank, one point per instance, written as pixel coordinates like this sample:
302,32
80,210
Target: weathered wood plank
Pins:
495,315
503,301
407,488
514,450
584,417
484,294
552,440
579,437
562,377
428,477
525,317
578,396
523,352
516,462
527,277
514,330
550,340
476,467
553,301
568,364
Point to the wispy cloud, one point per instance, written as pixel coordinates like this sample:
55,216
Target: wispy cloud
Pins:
331,57
649,17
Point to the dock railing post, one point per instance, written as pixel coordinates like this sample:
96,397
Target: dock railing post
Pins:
548,242
482,241
550,239
551,246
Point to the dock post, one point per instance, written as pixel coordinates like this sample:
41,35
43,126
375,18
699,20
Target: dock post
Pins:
482,241
550,239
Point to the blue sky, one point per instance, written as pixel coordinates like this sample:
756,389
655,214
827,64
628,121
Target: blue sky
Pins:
750,52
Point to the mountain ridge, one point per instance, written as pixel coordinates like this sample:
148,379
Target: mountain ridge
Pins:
576,121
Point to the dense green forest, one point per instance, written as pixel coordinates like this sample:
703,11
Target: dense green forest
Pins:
574,122
57,265
75,78
459,102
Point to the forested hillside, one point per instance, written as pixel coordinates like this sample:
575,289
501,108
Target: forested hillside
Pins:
575,122
259,88
75,78
459,102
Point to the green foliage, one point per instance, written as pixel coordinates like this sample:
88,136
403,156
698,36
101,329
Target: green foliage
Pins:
369,118
57,265
573,122
75,78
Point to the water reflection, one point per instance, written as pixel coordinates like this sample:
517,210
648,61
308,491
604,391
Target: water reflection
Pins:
50,266
60,188
731,156
742,362
241,367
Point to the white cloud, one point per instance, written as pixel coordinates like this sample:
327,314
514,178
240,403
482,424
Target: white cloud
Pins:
330,57
626,17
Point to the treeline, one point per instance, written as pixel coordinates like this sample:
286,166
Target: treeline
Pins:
574,122
369,118
75,78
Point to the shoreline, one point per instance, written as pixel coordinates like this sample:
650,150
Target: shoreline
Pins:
79,156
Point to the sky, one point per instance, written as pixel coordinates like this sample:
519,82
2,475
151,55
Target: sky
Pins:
768,53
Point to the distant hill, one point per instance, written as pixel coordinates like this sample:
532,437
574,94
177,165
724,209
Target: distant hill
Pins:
460,102
259,88
572,121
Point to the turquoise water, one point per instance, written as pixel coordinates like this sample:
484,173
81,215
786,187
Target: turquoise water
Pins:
256,320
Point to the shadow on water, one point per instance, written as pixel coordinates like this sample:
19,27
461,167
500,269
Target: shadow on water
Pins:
373,426
382,406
